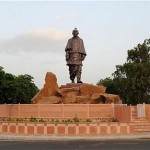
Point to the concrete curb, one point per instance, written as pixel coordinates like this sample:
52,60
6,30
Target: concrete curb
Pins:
64,138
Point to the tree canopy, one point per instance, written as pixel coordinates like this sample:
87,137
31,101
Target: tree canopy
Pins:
16,89
131,81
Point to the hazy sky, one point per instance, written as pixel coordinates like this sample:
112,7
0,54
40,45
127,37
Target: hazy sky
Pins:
33,36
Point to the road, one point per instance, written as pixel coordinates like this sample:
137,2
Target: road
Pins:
76,145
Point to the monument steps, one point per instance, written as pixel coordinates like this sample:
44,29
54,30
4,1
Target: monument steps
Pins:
142,129
140,125
139,119
134,114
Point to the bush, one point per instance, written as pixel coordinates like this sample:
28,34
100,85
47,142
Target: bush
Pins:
33,119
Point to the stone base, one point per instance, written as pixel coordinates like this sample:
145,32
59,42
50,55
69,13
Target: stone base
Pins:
77,93
68,85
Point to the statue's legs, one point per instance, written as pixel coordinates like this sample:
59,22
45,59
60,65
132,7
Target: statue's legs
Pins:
78,73
75,71
72,72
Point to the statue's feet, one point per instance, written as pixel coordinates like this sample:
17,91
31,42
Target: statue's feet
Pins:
79,82
72,81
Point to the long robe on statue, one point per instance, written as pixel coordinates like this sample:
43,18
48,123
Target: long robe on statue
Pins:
75,51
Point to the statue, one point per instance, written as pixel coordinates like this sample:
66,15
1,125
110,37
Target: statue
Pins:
75,54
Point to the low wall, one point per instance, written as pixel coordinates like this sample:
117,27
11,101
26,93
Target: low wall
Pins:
57,110
148,112
65,129
123,113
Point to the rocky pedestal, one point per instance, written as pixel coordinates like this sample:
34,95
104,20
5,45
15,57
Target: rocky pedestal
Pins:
78,93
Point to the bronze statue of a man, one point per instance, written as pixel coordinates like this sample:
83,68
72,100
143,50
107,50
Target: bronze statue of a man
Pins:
75,54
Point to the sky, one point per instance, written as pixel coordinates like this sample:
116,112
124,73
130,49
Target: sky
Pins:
33,36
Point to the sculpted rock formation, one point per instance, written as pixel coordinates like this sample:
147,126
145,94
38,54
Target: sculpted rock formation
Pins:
80,93
47,94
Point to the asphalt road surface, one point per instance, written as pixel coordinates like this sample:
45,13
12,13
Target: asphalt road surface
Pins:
76,145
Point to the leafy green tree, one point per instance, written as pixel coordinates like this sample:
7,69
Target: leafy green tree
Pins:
133,77
2,73
16,89
110,84
25,88
9,88
131,81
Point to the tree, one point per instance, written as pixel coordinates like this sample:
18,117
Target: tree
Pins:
16,89
8,90
25,88
110,84
2,73
133,77
131,81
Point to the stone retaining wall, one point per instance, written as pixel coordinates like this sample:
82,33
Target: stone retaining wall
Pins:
65,129
120,112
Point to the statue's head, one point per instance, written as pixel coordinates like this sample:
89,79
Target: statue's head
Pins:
75,32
